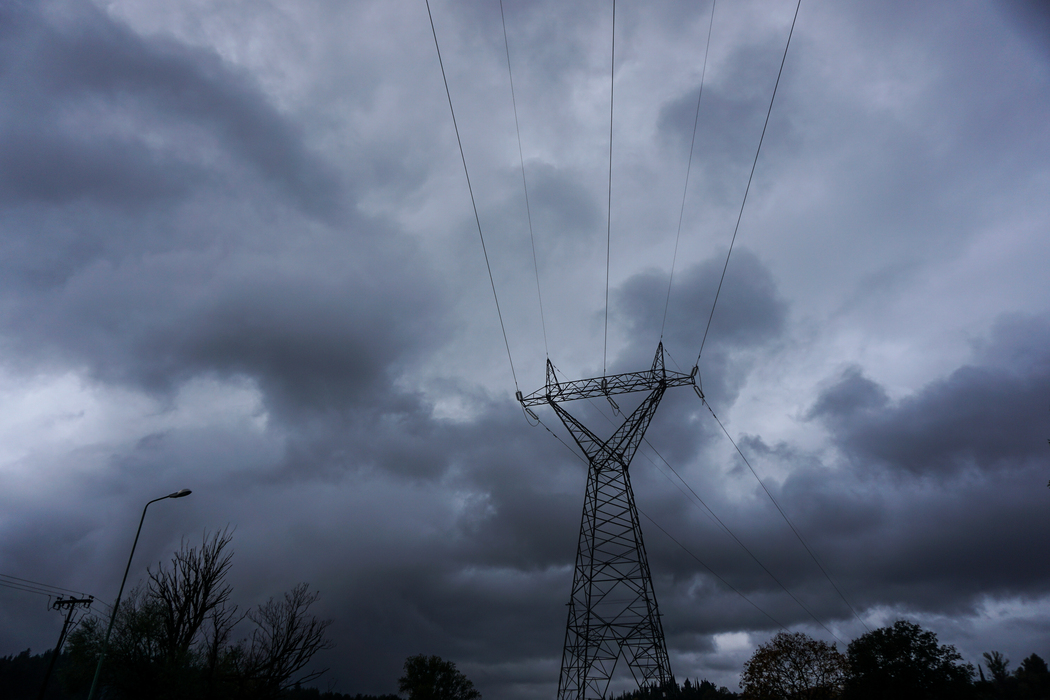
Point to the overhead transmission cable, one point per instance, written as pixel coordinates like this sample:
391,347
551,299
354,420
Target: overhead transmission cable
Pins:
608,217
749,178
688,169
44,589
524,184
718,291
35,586
786,519
729,585
730,532
470,189
28,589
682,546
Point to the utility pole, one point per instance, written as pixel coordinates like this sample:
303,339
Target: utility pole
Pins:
70,604
612,608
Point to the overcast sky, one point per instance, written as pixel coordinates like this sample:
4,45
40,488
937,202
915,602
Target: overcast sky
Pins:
238,255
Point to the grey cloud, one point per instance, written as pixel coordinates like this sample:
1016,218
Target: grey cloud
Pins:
563,210
852,392
216,250
55,168
985,416
1032,19
750,314
309,344
936,508
72,62
156,285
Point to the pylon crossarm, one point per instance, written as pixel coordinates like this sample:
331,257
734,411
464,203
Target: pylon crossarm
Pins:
625,441
593,447
619,448
606,386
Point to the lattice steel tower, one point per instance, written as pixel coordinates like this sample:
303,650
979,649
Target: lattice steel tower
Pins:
612,609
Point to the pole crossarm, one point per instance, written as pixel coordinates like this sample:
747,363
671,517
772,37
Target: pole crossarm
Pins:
558,391
70,604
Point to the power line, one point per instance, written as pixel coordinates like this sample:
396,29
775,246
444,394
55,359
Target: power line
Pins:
749,178
735,538
470,189
25,585
729,585
787,520
27,589
524,184
742,545
672,538
723,526
688,168
608,218
4,578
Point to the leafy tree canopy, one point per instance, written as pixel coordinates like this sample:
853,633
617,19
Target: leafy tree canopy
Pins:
433,678
794,665
905,662
689,690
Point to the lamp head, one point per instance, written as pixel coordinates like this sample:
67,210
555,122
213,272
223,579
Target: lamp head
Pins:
180,494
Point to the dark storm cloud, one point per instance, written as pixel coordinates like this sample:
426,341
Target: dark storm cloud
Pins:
522,487
168,229
66,66
98,114
54,167
731,111
750,314
1032,19
309,343
984,416
937,507
561,205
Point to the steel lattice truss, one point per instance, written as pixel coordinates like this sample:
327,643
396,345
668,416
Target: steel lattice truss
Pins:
612,609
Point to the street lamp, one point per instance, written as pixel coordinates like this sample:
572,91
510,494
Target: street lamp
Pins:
113,615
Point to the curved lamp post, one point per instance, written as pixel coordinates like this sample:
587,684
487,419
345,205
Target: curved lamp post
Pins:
113,615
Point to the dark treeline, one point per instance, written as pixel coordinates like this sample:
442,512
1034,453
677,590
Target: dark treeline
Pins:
21,676
901,661
315,694
180,635
688,690
898,662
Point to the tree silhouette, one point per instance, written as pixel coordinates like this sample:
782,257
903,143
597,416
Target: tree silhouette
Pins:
1033,678
171,637
997,664
285,639
432,678
184,595
906,663
794,665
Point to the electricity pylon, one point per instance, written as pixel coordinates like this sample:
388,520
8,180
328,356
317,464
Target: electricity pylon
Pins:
612,609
